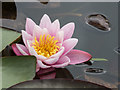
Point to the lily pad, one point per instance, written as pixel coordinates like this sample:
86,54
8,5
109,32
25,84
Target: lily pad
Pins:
44,1
8,51
7,36
58,83
98,21
9,10
17,69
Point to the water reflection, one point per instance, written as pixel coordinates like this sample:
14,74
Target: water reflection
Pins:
46,74
52,73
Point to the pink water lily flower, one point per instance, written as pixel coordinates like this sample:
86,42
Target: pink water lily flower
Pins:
50,44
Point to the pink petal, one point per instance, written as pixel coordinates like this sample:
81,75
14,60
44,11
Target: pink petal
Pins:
22,49
45,22
44,32
54,27
59,44
16,51
59,36
59,53
41,65
78,56
68,30
30,48
51,60
25,37
48,76
54,58
69,44
30,26
33,52
37,32
37,68
62,62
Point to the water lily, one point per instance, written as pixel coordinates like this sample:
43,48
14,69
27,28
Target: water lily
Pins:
50,44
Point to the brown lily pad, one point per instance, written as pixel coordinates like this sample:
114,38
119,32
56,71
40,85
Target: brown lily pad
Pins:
58,83
98,21
9,10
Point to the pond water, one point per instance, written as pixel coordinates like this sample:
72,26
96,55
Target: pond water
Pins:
99,44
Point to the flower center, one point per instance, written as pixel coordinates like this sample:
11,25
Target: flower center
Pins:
46,46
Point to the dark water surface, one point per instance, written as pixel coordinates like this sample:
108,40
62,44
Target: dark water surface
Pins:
99,44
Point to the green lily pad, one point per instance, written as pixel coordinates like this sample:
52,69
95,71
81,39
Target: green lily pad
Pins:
17,69
7,36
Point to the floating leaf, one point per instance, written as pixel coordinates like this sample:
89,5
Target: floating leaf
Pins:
7,37
17,69
58,83
99,21
8,51
9,10
102,81
44,1
15,25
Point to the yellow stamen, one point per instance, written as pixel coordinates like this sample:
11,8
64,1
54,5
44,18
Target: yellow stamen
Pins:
46,46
